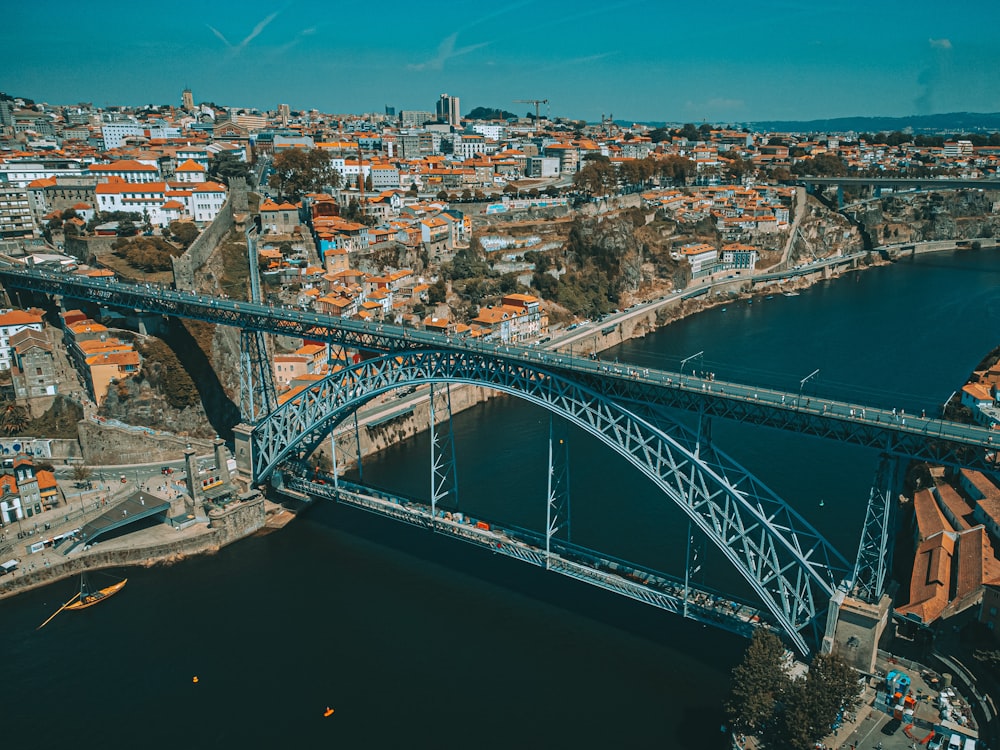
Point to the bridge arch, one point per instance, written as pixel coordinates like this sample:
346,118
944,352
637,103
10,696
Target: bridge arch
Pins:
788,563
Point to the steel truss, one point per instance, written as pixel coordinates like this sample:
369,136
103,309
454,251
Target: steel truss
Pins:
257,396
787,562
874,559
930,440
557,505
444,467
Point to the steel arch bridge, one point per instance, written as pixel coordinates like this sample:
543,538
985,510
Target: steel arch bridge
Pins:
786,561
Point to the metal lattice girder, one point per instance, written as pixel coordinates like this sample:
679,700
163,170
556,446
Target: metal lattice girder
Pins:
875,551
257,396
557,506
789,565
929,440
444,467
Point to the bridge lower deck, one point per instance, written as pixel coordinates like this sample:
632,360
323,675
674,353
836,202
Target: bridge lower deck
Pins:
618,576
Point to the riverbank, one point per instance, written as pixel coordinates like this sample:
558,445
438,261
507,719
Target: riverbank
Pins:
161,544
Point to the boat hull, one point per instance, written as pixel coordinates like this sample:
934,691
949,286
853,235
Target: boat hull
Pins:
98,596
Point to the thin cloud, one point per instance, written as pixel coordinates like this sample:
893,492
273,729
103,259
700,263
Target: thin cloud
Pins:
940,43
235,49
220,36
576,61
298,38
257,29
445,51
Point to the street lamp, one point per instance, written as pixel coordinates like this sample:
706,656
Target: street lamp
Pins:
688,359
802,384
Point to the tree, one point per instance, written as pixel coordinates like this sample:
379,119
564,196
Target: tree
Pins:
689,132
81,474
183,232
442,195
300,171
14,418
226,165
757,684
126,228
811,706
437,292
597,178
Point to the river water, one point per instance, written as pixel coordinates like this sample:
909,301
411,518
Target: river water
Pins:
417,640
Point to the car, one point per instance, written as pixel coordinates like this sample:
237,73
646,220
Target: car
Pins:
891,727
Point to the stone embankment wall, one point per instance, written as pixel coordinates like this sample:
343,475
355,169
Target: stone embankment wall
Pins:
240,519
104,444
379,437
97,559
227,526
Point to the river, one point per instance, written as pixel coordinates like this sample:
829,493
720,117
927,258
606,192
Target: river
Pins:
417,640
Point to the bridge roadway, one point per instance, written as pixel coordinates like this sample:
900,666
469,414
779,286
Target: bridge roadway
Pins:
571,560
906,435
918,182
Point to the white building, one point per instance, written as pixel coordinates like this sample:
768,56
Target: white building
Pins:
127,169
12,322
162,202
20,172
115,133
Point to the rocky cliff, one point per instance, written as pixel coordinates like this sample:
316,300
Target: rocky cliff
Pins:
944,215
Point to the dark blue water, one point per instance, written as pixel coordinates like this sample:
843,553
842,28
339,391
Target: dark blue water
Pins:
416,640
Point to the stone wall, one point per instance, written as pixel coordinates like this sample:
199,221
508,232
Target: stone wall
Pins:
240,519
85,248
104,444
97,559
195,256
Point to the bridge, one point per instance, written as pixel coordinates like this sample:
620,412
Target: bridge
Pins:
877,184
798,576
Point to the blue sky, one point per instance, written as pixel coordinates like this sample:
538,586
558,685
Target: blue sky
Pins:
641,60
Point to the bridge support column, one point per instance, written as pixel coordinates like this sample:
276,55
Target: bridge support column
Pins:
243,453
874,559
557,507
444,468
854,628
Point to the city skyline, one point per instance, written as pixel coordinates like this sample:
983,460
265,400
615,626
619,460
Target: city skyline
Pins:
774,60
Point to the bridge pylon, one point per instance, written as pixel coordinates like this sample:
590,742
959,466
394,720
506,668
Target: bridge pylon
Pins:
557,506
257,396
444,467
874,559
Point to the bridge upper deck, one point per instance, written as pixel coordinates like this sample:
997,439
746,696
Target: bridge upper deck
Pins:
918,437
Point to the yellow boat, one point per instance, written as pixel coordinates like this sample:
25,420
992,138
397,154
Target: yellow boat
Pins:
87,598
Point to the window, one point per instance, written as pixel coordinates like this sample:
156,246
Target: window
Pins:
993,611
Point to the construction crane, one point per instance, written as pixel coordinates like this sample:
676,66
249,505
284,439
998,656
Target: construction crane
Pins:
536,102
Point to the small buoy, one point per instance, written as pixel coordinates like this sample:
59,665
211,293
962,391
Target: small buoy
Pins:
194,679
328,712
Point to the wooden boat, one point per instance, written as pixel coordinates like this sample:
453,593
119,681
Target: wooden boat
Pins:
89,598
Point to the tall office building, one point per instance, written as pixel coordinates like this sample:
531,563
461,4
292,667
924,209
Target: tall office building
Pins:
448,110
187,100
284,112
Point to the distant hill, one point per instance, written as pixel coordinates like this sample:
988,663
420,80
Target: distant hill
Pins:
952,122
